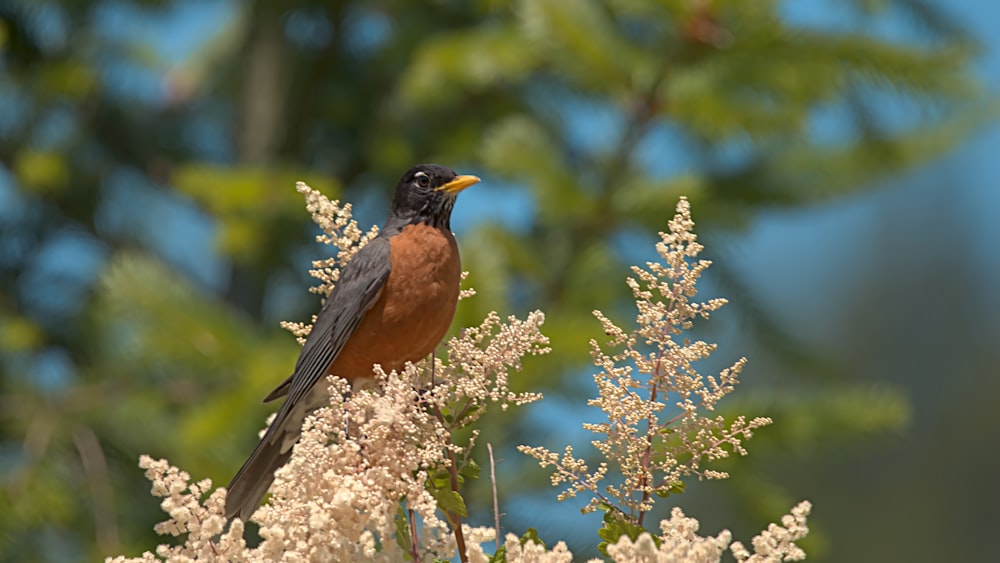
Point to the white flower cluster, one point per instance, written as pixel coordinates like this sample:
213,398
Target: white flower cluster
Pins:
339,230
356,486
201,521
651,371
361,460
678,542
361,463
375,477
777,543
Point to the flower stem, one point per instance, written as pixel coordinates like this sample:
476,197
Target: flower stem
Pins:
454,519
647,454
414,539
496,505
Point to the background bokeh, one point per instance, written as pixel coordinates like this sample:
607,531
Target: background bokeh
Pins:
842,159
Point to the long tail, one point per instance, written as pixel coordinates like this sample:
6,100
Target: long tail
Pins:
251,482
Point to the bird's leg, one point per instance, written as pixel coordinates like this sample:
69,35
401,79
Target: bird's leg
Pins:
422,390
347,420
433,367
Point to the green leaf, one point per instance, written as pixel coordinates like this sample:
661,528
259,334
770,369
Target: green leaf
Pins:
583,42
470,470
19,334
403,539
519,146
41,172
451,502
449,65
252,203
69,78
838,413
674,488
439,480
532,536
614,527
500,555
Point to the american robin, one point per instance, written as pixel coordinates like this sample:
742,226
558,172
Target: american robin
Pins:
393,304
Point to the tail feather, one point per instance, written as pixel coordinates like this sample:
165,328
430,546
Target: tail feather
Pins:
250,484
280,391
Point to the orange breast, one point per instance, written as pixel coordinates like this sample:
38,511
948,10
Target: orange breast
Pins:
415,309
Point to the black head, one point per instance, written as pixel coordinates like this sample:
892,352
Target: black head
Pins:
426,194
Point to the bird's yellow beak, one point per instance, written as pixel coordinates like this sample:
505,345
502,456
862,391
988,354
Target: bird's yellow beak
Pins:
458,184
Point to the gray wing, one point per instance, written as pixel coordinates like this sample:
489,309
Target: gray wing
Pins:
357,291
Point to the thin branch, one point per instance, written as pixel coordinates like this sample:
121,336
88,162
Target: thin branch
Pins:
95,468
454,519
414,538
640,117
496,504
651,428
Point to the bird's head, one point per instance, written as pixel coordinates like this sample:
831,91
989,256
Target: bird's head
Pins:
426,194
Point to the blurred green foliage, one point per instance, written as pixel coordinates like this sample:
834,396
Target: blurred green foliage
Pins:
134,352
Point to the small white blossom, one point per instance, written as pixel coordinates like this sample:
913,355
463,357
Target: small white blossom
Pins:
651,371
360,460
365,462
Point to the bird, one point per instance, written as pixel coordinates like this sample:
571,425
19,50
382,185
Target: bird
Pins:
393,304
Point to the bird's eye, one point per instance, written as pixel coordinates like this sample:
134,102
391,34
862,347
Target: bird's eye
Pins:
423,180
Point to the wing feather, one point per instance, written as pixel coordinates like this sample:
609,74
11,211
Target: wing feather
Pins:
354,295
